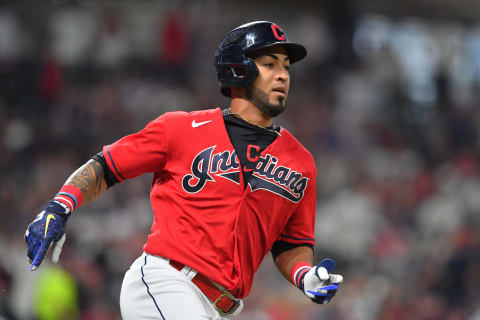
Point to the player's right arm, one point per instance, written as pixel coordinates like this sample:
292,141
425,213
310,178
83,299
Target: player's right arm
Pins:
128,157
48,228
89,179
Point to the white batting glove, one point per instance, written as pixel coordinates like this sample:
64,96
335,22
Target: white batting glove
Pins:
319,284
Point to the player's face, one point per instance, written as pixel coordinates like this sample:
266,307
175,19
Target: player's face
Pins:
269,91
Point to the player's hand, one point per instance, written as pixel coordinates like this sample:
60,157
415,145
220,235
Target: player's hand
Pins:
48,228
319,284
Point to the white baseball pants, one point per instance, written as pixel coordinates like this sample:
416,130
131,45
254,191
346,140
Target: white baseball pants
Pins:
153,289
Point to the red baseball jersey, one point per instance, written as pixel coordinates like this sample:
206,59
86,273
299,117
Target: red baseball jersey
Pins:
203,215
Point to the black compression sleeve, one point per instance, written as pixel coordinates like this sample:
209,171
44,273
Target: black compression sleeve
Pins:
107,174
282,246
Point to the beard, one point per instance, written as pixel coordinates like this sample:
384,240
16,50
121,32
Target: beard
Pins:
259,99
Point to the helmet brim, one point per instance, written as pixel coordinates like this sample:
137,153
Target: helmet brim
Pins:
295,51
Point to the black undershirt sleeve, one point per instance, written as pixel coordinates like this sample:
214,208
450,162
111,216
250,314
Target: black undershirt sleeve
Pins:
107,173
281,246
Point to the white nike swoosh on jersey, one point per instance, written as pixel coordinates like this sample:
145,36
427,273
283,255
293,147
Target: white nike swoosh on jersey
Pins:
198,124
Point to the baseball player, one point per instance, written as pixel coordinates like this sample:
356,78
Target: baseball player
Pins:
228,187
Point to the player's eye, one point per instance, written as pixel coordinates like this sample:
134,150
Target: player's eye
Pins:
269,65
287,68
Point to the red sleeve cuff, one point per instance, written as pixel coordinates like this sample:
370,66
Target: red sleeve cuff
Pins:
296,240
111,163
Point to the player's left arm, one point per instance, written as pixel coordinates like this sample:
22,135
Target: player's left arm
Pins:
286,260
293,251
317,283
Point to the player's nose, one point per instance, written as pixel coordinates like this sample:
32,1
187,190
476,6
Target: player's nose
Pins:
283,75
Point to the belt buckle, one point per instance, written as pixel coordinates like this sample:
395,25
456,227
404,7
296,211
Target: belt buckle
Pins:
232,309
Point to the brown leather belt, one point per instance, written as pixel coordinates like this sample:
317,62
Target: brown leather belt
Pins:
224,301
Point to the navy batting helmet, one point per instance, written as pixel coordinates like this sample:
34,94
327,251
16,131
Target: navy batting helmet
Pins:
232,52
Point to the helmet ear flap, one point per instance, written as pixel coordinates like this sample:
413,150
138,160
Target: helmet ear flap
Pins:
237,75
248,72
251,71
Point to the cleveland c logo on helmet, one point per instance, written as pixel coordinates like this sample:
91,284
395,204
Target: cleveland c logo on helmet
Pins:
234,67
277,32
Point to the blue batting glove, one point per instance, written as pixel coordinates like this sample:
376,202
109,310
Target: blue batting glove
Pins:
48,228
319,284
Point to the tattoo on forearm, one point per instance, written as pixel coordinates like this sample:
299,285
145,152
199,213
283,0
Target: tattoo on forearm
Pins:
89,179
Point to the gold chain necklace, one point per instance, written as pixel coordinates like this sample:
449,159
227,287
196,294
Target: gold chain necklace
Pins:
252,123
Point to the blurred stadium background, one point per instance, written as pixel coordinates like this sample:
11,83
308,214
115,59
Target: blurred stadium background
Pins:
387,101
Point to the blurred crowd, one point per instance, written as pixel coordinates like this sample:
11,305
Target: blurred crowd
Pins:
387,106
